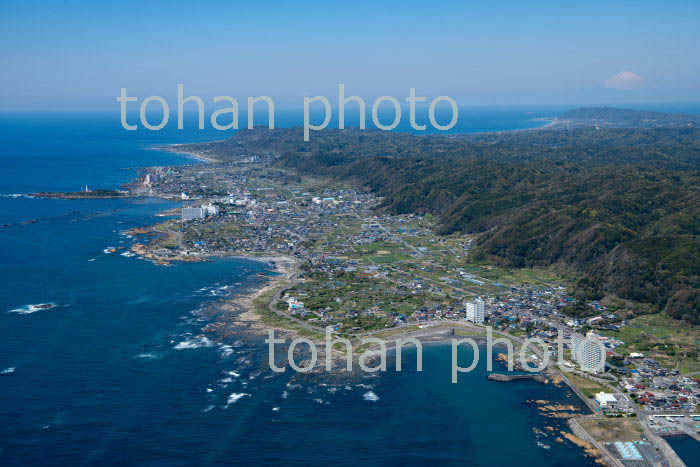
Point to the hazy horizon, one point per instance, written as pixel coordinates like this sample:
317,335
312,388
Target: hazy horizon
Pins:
480,54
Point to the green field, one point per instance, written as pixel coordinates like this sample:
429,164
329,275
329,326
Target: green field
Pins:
587,387
673,343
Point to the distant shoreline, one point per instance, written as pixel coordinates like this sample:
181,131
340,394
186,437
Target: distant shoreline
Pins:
175,149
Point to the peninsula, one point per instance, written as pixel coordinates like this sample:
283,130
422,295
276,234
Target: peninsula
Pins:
581,230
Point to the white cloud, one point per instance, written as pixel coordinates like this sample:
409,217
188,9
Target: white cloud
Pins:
625,81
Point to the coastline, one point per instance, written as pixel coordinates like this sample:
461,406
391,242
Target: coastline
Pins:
552,123
257,288
254,310
175,149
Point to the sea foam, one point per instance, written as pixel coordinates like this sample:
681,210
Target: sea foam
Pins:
27,309
235,396
194,343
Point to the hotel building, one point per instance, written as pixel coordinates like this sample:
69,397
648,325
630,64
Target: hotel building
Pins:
476,311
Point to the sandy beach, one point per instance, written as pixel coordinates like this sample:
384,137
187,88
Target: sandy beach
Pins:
177,149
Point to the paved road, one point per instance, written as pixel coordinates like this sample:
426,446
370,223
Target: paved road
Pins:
401,240
659,442
293,279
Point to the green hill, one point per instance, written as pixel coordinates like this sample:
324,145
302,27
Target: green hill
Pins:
620,208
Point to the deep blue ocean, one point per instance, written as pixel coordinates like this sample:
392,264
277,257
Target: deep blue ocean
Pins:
118,373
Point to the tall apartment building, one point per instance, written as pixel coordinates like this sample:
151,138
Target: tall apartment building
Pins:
476,311
589,355
151,178
190,213
211,209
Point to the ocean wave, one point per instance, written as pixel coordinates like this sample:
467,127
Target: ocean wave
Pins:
194,343
148,356
7,371
275,409
27,309
208,408
233,373
235,396
215,290
285,395
225,350
370,396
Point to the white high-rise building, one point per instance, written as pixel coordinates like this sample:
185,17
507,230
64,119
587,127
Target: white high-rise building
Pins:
589,354
190,213
211,209
476,311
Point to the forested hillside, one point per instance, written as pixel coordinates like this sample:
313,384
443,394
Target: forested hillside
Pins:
619,207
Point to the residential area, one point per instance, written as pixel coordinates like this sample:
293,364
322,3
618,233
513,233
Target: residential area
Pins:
364,272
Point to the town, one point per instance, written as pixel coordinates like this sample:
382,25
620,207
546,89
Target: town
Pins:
364,273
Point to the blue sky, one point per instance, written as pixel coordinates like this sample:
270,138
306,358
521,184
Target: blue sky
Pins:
77,55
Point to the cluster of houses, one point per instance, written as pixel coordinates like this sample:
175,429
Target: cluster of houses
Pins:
658,389
612,404
290,220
